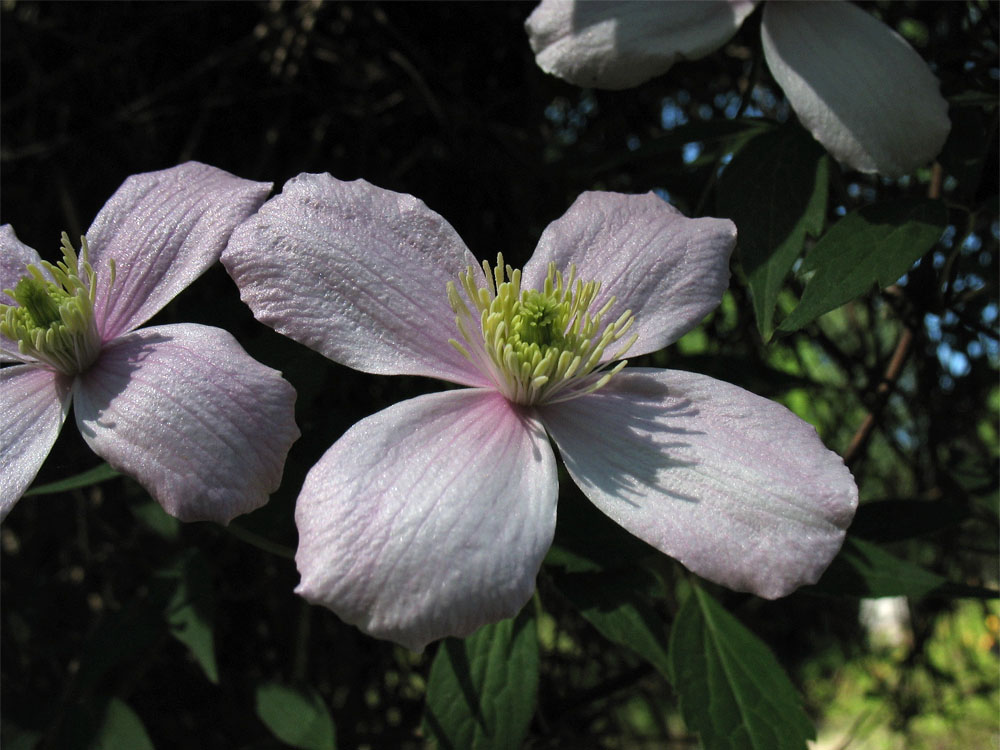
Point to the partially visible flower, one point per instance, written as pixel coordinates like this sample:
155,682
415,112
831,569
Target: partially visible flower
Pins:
432,517
182,408
858,87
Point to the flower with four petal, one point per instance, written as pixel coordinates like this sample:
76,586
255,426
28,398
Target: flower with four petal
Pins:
855,84
182,408
432,517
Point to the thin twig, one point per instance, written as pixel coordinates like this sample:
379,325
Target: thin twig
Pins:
899,355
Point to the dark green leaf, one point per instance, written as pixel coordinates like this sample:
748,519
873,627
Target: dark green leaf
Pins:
92,476
151,514
614,602
863,569
481,690
775,190
189,612
297,716
892,520
732,690
587,540
121,728
873,245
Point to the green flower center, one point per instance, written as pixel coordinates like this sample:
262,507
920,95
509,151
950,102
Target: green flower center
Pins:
53,321
537,345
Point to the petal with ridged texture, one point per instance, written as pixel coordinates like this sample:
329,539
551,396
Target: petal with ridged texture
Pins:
859,88
33,407
735,487
198,422
163,230
615,45
669,270
357,273
429,518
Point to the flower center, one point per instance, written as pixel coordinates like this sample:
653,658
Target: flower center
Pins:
53,321
538,345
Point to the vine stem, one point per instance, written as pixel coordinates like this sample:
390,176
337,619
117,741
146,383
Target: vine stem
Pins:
895,366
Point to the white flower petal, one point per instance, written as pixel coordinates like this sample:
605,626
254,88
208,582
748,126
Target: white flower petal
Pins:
615,45
430,518
199,423
33,407
163,229
858,87
357,273
735,487
669,270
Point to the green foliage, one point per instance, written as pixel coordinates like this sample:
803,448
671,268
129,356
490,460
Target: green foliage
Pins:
98,474
732,690
297,716
481,691
615,602
775,190
873,245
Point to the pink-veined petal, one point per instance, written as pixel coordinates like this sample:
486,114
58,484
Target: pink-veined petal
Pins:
185,410
357,273
430,518
163,230
33,407
669,270
14,259
615,45
858,87
735,487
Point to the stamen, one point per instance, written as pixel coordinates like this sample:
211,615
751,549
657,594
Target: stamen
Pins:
537,345
53,321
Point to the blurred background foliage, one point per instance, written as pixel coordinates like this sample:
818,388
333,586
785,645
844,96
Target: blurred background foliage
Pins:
124,628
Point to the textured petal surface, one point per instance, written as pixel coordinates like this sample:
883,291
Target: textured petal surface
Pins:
357,273
861,90
430,518
615,45
199,423
669,270
163,230
14,256
33,406
735,487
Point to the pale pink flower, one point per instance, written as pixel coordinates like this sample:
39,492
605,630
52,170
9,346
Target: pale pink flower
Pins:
182,408
432,517
855,84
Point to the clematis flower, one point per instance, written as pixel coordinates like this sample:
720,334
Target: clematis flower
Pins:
182,408
432,517
857,86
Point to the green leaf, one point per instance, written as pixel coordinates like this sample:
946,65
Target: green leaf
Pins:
876,244
775,190
481,690
863,569
121,727
587,540
189,613
151,514
297,716
892,520
615,604
92,476
732,690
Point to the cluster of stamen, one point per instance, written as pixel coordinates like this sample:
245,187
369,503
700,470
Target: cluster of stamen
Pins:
53,321
537,346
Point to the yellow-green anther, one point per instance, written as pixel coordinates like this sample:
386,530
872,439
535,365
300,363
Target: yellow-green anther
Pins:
53,321
538,345
38,301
